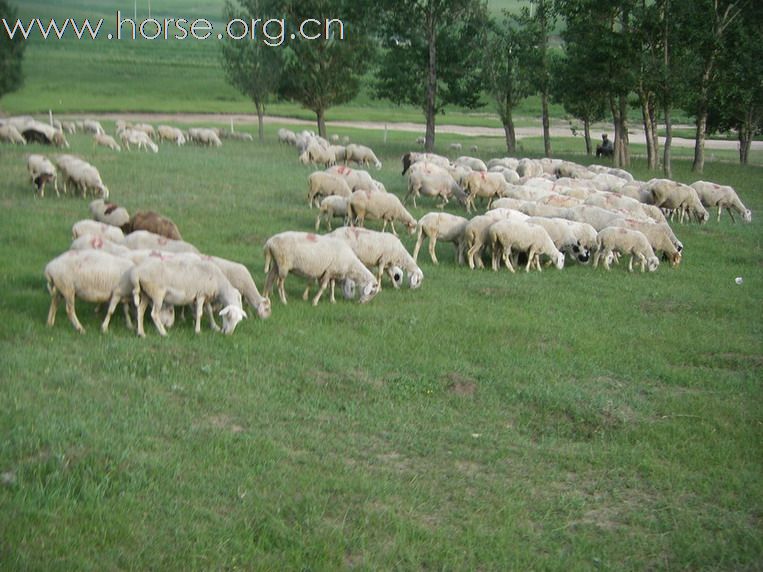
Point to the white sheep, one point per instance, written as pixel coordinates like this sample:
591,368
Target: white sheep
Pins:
566,237
473,163
287,136
316,154
442,226
42,171
379,206
381,251
179,279
339,151
92,126
413,157
528,168
454,147
357,179
146,128
597,217
106,141
660,237
83,175
361,155
138,138
507,162
91,275
522,236
510,175
98,242
169,133
625,241
10,134
481,184
674,196
106,231
109,213
321,258
476,232
241,279
204,136
143,239
721,196
323,184
432,180
331,206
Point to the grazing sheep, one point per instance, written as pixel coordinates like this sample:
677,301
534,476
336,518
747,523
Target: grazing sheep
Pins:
472,162
204,136
379,206
323,184
169,133
41,171
528,168
321,258
361,155
357,179
454,147
721,196
106,141
155,223
510,175
109,213
287,136
625,241
412,157
9,134
106,231
420,141
485,185
139,138
675,196
476,232
83,175
316,154
339,151
565,237
69,126
659,235
474,148
506,162
92,126
432,180
98,242
615,201
597,217
180,280
241,279
572,170
508,235
146,128
34,131
331,206
92,275
381,251
443,226
143,239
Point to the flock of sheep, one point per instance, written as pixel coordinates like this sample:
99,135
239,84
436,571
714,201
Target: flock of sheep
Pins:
536,212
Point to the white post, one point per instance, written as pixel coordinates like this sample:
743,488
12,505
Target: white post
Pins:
231,125
50,116
385,133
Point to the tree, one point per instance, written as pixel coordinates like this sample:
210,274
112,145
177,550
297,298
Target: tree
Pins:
439,42
578,90
322,73
505,79
251,66
11,54
737,101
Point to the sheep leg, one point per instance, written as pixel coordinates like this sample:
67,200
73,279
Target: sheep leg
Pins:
211,316
306,293
720,208
530,259
140,304
156,306
324,283
471,254
198,309
507,260
731,214
630,263
495,258
333,284
128,318
282,288
432,243
392,224
70,311
112,306
55,298
419,242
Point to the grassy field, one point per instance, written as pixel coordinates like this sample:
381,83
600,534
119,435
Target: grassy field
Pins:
563,420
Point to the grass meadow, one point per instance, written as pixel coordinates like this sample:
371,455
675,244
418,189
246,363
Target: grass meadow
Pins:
563,420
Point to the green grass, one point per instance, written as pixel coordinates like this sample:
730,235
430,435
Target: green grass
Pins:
567,420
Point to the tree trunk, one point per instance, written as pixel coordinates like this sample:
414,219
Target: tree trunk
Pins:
508,129
745,139
260,120
431,102
651,152
699,142
546,130
587,135
321,122
666,166
620,118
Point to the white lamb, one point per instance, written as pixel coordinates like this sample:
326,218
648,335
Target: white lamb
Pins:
361,155
660,237
204,136
109,213
721,196
507,162
92,126
42,171
106,141
10,134
180,280
432,180
172,134
507,236
379,206
287,136
331,206
674,196
323,184
381,251
106,231
476,232
143,239
443,226
486,185
138,138
316,154
625,241
315,257
91,275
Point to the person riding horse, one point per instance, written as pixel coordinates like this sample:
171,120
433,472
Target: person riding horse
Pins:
606,149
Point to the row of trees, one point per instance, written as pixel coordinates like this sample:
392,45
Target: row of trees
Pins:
703,57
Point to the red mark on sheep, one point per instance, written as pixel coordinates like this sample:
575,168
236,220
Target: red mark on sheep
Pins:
110,208
162,241
97,242
312,237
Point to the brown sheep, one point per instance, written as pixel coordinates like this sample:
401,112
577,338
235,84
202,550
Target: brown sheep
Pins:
156,223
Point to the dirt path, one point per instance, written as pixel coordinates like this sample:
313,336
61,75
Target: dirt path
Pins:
636,135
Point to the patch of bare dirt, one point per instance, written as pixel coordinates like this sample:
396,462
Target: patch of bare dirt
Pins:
461,385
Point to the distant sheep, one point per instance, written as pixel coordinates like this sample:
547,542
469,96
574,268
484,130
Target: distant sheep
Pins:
9,134
204,136
721,196
139,139
361,155
485,185
105,231
42,171
323,184
675,196
432,180
143,239
106,141
109,213
357,179
509,235
169,133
